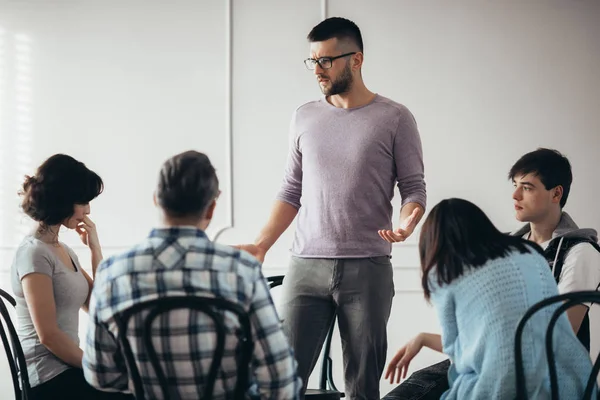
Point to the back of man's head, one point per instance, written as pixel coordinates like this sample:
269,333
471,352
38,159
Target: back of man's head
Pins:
187,185
550,166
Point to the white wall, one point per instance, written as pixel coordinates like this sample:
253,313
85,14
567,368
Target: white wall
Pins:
123,85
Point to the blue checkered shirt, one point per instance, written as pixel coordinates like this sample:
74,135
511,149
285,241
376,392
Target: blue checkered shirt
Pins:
183,261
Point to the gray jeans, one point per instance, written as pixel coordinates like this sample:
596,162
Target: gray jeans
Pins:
360,292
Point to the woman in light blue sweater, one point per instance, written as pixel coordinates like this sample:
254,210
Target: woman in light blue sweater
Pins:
481,282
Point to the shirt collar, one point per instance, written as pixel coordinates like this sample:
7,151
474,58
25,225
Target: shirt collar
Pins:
178,231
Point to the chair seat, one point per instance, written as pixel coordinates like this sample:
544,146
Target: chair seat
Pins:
322,394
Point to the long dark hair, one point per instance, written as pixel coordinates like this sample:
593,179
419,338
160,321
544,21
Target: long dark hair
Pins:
456,236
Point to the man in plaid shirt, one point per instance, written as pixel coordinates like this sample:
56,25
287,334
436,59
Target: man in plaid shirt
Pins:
177,260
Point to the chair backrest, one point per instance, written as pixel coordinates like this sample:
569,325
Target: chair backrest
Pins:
275,280
570,300
13,349
210,306
8,298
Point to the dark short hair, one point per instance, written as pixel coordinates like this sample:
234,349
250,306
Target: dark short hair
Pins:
58,185
336,27
552,167
457,236
187,184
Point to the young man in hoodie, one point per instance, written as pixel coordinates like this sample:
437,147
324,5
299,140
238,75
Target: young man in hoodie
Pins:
542,181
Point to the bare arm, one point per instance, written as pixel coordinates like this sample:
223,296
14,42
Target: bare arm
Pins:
580,271
410,215
287,204
433,341
576,315
280,219
89,236
39,296
96,259
398,366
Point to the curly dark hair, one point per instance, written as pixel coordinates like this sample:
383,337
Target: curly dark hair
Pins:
58,185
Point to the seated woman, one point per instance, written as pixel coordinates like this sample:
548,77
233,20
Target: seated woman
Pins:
481,282
48,282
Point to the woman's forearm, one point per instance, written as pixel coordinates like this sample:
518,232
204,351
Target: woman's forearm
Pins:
63,347
433,341
96,259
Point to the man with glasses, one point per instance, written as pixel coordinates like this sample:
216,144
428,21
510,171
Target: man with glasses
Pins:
347,152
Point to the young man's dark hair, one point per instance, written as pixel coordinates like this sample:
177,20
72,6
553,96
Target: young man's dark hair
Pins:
340,28
187,185
552,168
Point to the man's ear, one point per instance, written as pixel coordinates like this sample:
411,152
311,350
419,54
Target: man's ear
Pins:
357,61
210,210
557,194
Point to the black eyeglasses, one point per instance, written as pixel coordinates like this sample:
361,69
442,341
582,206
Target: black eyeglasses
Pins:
324,62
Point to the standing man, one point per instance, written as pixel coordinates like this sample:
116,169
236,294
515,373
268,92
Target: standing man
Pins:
347,152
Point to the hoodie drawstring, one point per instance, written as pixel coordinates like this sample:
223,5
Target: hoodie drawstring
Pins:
556,256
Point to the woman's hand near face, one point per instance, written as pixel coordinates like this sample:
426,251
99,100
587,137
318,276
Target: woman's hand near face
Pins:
89,236
88,233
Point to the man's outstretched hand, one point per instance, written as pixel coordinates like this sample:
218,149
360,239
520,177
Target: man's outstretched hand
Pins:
406,229
254,250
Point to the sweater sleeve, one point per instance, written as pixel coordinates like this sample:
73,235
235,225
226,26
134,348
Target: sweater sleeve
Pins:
408,157
291,188
443,301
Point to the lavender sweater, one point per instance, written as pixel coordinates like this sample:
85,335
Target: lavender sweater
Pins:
341,171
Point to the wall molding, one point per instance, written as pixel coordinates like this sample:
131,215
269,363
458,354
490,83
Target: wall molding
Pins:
324,9
228,117
229,110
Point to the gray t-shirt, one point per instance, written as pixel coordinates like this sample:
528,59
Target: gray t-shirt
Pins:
342,167
70,292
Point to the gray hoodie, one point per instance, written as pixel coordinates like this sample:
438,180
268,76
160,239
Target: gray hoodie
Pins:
566,228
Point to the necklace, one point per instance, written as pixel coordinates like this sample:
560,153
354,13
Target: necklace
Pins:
54,242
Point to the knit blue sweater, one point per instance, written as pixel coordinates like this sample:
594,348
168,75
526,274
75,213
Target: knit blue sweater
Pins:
479,313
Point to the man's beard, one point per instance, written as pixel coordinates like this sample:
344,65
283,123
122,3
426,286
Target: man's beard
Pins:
341,85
